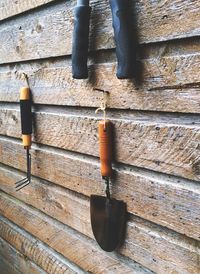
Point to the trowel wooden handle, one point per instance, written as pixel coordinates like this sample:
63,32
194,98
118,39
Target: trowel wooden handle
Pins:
105,145
26,116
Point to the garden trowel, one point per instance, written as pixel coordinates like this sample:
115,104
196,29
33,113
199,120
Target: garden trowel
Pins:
108,215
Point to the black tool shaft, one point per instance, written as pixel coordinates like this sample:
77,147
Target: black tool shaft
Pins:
107,182
28,160
123,38
81,40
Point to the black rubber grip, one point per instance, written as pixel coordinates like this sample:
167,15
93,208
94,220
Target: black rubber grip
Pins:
123,38
26,117
80,42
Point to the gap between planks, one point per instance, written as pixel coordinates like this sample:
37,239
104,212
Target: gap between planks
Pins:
17,259
165,29
57,231
132,247
37,251
188,120
160,177
151,145
53,187
186,248
157,196
51,83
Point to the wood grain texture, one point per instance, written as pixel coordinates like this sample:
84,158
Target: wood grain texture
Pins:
170,82
79,249
41,35
6,267
171,202
9,8
167,19
73,210
155,144
157,167
140,245
31,251
16,259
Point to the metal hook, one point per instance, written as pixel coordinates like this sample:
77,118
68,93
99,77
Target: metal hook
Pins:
26,78
24,75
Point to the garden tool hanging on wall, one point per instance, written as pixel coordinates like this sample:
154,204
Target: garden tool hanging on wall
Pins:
26,126
81,39
108,215
123,38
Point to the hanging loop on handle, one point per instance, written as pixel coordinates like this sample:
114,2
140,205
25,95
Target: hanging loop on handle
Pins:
102,108
103,105
26,79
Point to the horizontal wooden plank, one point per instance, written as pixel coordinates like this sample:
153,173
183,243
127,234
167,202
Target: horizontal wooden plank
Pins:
157,19
163,145
66,241
6,267
10,8
171,202
65,206
41,35
170,82
30,251
141,244
20,262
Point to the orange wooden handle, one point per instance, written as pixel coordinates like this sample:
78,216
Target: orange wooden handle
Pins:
25,93
105,147
26,140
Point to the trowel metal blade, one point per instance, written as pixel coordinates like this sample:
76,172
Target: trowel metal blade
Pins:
108,219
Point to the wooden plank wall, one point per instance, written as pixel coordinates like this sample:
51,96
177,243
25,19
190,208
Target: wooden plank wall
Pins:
45,228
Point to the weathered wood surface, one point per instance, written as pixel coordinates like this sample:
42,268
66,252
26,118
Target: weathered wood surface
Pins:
76,247
41,35
171,148
171,202
73,210
31,250
153,18
6,267
153,249
21,263
170,82
163,231
164,20
9,8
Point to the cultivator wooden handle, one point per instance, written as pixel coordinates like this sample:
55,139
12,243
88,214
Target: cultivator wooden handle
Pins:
105,146
26,116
